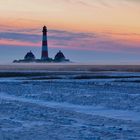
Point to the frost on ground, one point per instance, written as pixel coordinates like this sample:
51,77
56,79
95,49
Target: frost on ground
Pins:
70,106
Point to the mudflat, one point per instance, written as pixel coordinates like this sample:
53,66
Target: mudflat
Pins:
69,102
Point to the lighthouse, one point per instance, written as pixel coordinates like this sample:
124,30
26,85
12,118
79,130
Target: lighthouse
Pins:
44,54
30,57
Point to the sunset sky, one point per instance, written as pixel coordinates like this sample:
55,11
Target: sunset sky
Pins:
98,31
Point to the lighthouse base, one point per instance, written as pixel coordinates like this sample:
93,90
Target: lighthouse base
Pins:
49,60
59,57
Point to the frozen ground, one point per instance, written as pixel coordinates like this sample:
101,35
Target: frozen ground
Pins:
70,105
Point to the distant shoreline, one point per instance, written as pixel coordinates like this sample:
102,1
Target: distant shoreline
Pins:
67,67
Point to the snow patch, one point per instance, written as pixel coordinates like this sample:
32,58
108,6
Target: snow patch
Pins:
91,110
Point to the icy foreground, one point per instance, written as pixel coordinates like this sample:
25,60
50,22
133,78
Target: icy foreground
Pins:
70,106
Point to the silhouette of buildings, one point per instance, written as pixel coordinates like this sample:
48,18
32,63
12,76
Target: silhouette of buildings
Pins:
30,57
59,57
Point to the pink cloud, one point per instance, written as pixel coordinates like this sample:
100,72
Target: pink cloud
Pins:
18,43
108,42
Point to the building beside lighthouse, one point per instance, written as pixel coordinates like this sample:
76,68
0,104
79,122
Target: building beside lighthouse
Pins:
59,57
30,57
